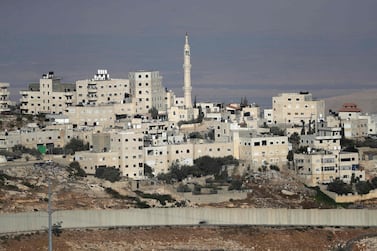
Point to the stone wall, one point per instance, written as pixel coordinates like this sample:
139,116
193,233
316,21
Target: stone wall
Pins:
351,198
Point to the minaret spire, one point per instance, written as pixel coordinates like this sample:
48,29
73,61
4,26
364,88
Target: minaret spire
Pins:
187,74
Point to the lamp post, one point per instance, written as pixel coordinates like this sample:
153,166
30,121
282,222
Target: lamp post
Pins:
49,211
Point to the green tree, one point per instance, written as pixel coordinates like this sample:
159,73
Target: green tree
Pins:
294,139
236,184
290,156
75,145
195,135
75,170
154,112
374,182
275,130
363,187
339,187
108,173
148,171
211,134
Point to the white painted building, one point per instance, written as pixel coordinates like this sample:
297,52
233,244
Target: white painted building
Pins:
291,108
4,97
147,91
324,167
49,96
101,89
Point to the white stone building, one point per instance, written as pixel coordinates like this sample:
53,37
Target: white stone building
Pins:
101,89
147,91
49,96
260,151
4,97
326,138
291,108
324,167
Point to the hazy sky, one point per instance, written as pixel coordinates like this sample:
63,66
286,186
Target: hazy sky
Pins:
246,48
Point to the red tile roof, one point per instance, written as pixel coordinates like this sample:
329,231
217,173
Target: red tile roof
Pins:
349,107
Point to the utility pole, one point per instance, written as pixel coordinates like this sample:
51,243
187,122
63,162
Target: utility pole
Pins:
49,211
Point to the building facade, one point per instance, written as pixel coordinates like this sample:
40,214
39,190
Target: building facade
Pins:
292,108
4,98
49,96
147,91
324,167
101,89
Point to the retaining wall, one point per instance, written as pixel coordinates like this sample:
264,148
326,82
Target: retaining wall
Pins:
33,221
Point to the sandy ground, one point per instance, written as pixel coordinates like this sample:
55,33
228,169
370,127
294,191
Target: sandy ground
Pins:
198,238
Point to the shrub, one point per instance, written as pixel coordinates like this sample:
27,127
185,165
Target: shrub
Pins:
116,195
108,173
202,166
236,184
374,182
363,187
75,170
183,188
274,167
339,187
162,198
75,145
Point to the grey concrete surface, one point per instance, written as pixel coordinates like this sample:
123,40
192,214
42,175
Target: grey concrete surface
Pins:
33,221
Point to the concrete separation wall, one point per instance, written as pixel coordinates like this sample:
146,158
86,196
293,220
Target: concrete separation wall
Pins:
34,221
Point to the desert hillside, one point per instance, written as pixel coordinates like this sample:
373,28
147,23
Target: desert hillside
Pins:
366,100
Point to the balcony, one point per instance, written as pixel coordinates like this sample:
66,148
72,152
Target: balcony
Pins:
92,97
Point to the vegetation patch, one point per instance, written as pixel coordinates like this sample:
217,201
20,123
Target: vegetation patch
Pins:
116,195
322,198
75,170
108,173
162,198
203,166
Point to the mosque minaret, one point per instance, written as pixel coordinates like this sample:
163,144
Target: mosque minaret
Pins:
187,74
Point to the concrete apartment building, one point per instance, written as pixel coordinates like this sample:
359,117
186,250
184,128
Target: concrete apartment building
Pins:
49,96
4,98
324,167
326,138
291,108
83,116
355,125
32,137
101,89
130,148
262,151
123,150
211,111
147,91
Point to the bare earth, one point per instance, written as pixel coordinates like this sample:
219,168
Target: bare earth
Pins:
197,238
25,189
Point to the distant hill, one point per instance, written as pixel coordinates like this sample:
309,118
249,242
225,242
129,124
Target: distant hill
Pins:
365,100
